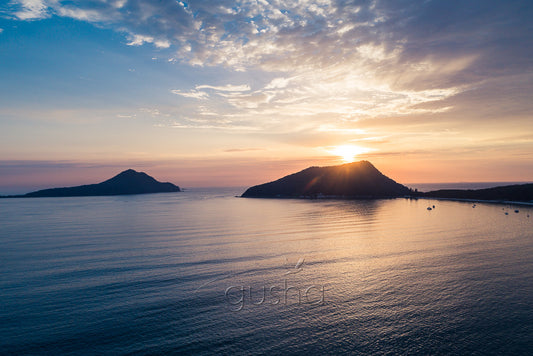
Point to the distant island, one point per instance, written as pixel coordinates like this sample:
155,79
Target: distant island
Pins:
361,180
516,192
127,182
351,180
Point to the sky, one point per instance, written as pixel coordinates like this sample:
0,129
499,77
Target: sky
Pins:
237,93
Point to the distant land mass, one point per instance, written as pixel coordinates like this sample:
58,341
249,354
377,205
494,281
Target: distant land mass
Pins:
516,192
351,180
362,180
127,182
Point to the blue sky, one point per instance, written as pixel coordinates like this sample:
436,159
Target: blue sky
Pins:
239,92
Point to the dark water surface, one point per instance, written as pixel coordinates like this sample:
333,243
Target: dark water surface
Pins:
203,272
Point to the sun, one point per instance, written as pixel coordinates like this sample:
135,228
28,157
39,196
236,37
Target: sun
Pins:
348,152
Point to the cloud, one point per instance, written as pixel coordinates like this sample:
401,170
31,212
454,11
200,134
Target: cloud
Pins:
162,43
90,15
278,83
228,87
221,90
139,40
194,94
319,98
153,112
31,9
385,38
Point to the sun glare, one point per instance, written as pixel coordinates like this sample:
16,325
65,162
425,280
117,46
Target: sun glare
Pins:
349,152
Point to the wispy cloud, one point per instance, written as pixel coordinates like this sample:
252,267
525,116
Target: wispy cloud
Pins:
193,94
31,9
278,83
90,15
139,40
228,87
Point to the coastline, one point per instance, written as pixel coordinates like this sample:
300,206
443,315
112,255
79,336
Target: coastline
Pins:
501,202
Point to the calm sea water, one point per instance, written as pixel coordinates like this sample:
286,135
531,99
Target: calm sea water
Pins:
203,272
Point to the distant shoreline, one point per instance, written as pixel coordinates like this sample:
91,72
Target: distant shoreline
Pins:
428,187
500,202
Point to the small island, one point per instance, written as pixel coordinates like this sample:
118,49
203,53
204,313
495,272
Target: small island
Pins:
357,180
124,183
361,180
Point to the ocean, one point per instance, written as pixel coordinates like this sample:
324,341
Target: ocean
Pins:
204,272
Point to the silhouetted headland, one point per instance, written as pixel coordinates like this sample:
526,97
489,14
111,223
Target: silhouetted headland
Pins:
516,192
127,182
357,180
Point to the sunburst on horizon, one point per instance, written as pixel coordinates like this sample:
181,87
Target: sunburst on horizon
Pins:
349,153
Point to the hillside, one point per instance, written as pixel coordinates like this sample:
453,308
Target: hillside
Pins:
352,180
127,182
